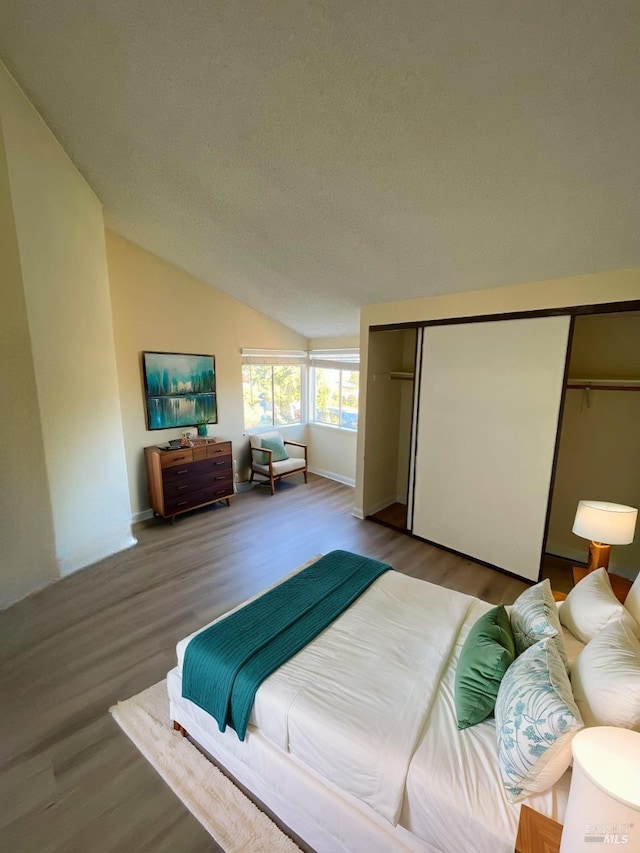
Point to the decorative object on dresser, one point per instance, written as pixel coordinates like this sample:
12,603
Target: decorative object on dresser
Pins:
605,524
270,459
188,477
180,389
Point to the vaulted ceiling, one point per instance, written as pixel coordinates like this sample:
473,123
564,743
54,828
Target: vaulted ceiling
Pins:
311,156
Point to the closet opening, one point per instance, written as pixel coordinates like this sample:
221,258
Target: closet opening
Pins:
390,405
599,451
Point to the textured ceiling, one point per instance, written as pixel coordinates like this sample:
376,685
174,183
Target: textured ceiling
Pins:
311,157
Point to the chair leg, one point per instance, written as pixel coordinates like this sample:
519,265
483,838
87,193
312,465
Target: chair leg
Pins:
251,477
273,486
305,476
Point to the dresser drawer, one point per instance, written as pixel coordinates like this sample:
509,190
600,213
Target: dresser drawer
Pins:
180,486
208,451
214,492
196,469
176,457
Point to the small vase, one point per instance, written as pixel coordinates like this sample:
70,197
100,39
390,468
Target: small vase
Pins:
202,429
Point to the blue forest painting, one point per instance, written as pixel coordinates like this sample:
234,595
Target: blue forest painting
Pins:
180,389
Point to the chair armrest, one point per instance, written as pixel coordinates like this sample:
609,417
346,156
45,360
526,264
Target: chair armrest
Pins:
266,450
295,443
298,444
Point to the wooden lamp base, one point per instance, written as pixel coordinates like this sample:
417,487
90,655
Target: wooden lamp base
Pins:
598,556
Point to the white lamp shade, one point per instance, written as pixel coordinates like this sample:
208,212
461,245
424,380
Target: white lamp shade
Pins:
604,798
611,524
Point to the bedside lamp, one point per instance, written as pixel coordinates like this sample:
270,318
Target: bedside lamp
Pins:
604,798
605,524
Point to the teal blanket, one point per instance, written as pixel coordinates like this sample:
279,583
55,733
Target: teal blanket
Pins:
225,664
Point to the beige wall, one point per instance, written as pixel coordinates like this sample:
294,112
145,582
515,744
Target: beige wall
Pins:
332,451
60,240
27,556
343,342
612,286
599,456
157,306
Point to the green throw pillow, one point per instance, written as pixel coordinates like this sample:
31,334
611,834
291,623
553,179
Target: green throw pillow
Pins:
487,653
279,452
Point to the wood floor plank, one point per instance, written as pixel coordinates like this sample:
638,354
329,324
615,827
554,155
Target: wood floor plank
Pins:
71,651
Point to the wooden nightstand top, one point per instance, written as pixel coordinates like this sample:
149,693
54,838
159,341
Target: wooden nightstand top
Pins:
537,833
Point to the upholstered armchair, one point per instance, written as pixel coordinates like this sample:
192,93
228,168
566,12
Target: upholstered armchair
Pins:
270,457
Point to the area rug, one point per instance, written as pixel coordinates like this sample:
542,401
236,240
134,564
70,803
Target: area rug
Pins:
226,813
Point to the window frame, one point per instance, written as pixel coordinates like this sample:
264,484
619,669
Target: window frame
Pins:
342,360
273,359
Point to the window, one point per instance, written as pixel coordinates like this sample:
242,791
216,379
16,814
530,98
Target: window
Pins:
272,384
335,381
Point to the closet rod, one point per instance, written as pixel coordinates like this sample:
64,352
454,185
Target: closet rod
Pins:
605,384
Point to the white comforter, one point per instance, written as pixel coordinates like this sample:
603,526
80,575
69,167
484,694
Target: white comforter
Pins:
355,717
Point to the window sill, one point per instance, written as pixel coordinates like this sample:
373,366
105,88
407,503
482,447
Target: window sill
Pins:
333,427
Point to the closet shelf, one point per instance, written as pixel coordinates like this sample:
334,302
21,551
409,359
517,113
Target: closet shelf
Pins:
605,384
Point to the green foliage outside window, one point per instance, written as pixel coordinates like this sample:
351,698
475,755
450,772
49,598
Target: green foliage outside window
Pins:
336,397
272,394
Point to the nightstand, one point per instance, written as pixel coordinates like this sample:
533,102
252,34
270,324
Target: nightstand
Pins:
619,585
537,833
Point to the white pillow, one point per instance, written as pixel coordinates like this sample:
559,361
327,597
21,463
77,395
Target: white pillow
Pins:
591,605
534,617
536,719
606,679
632,601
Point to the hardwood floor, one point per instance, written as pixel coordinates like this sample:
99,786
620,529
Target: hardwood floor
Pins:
71,780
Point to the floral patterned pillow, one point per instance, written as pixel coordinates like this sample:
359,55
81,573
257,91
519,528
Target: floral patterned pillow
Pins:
536,719
534,617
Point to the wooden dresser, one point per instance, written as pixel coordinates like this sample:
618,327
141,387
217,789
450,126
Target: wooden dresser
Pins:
189,477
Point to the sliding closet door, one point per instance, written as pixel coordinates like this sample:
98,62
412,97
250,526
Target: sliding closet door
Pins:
489,402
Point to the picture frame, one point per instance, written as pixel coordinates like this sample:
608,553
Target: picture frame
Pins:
179,389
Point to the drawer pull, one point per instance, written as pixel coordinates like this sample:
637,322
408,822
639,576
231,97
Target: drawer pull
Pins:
181,503
221,462
221,492
180,488
178,458
183,471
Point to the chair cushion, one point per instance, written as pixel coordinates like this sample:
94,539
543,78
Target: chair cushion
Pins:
264,440
287,466
256,440
278,448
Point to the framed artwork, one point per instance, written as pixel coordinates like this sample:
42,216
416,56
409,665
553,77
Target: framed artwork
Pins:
180,389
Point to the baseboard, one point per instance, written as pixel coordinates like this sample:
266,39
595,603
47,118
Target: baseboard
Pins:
331,475
142,516
87,557
357,512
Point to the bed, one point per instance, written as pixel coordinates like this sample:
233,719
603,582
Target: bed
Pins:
354,742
